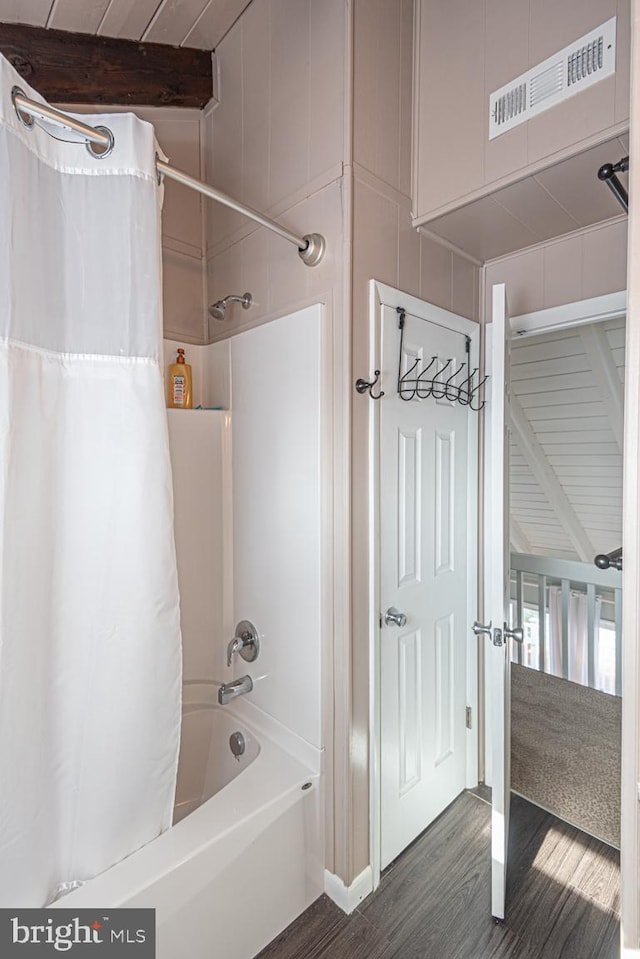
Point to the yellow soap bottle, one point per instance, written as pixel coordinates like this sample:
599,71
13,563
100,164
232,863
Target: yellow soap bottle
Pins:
180,396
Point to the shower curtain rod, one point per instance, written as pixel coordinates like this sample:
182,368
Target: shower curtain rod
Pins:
311,247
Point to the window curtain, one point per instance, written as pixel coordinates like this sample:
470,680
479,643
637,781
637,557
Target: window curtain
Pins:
90,655
577,635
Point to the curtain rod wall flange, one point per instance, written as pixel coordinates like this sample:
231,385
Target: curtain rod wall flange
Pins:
311,247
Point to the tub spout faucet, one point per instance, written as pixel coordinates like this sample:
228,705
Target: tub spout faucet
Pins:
238,687
245,642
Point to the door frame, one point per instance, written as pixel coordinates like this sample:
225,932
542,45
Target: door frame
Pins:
381,295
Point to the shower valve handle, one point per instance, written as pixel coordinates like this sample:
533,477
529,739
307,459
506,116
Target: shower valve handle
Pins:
245,641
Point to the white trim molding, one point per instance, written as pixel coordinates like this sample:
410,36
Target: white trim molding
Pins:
598,308
348,897
630,807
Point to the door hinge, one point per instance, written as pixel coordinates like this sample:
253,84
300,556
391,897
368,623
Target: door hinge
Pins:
469,717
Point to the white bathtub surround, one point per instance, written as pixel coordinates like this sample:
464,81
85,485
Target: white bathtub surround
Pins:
348,897
200,443
90,666
228,878
279,479
252,523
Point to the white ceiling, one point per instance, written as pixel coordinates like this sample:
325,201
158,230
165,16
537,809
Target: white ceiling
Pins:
566,455
188,23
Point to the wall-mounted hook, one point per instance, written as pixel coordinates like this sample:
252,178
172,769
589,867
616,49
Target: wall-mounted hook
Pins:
439,385
422,383
364,386
466,388
476,392
454,393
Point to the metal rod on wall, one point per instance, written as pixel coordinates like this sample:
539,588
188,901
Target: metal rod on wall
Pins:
607,173
311,247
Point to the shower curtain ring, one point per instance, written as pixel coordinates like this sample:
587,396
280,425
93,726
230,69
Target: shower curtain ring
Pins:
25,118
103,151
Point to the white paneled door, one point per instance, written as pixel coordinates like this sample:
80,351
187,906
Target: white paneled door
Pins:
424,490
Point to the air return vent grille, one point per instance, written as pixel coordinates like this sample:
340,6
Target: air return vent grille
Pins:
578,66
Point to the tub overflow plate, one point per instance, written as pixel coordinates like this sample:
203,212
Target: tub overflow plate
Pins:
237,744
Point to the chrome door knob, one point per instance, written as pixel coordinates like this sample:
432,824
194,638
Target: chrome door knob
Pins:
393,617
480,629
517,633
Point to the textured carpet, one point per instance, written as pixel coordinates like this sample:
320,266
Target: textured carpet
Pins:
565,750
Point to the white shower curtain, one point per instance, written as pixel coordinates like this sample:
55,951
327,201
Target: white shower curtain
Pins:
90,658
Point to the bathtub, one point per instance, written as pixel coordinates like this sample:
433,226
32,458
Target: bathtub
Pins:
207,763
245,855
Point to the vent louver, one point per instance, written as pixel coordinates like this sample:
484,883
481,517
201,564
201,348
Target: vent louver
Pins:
580,65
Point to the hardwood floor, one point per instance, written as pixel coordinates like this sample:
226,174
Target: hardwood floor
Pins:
434,901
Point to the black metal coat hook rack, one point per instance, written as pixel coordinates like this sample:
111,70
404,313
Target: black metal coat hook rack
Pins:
440,385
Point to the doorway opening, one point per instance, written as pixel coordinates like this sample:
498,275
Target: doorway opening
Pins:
566,417
564,387
530,591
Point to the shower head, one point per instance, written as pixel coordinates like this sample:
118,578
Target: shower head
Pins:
218,309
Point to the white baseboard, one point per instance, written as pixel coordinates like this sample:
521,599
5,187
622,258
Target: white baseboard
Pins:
348,897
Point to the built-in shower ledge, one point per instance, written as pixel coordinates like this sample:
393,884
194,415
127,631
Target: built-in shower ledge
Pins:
171,411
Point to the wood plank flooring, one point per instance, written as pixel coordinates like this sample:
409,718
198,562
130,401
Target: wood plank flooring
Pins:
434,901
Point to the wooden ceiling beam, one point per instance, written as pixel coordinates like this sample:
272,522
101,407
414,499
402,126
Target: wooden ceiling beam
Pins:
79,68
519,541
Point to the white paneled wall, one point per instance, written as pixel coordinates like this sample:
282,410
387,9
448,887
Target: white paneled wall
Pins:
279,126
277,500
588,263
276,141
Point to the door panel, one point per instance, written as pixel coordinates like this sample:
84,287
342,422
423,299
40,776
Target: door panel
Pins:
410,706
409,491
444,688
423,573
